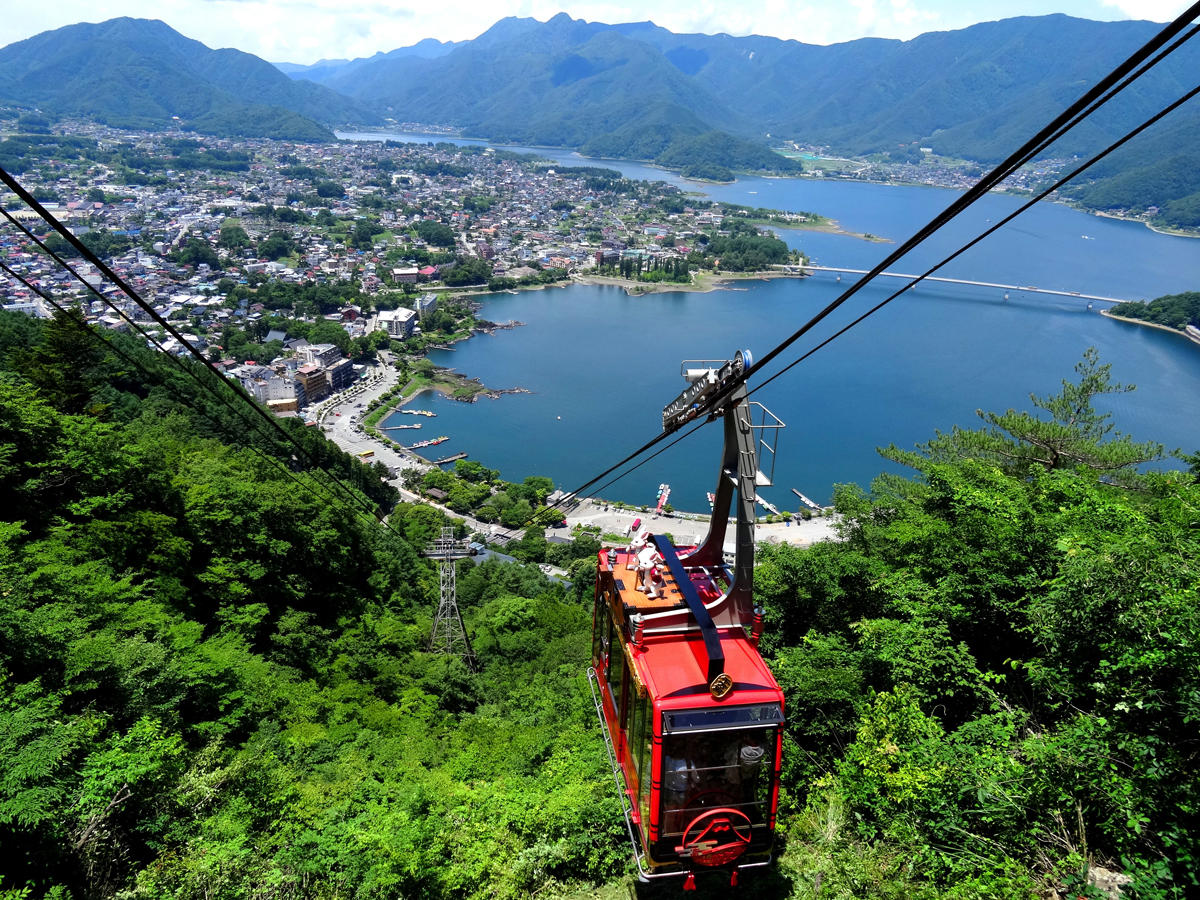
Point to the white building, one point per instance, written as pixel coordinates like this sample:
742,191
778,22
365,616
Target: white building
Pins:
322,354
264,384
398,323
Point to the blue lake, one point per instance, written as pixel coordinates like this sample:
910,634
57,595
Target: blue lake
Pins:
601,365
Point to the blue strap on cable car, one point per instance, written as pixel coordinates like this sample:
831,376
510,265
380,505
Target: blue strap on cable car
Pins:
708,629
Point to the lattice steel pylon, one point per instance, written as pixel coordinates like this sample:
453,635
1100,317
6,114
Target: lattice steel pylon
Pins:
449,635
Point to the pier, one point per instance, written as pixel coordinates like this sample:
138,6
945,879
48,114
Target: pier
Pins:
770,507
452,458
1023,288
806,501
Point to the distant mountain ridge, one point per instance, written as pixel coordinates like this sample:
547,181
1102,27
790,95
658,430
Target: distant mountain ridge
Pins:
565,82
637,90
966,93
706,104
141,73
323,69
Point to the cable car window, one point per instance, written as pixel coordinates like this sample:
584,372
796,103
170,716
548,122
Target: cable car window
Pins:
675,721
599,628
616,668
728,770
629,712
645,754
637,728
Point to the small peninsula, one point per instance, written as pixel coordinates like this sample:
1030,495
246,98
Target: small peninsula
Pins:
1177,313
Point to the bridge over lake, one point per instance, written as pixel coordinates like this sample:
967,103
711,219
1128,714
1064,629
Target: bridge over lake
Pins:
1023,288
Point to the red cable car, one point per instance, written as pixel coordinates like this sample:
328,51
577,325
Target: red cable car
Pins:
691,714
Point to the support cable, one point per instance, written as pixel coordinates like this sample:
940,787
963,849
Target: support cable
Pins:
1107,88
1037,198
349,491
1024,207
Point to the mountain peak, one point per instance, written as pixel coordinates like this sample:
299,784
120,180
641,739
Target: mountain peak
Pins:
141,73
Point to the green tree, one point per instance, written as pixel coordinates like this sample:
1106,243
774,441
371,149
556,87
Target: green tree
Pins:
277,245
106,244
233,237
196,252
437,233
471,470
362,235
330,333
517,514
362,348
1073,433
67,364
468,271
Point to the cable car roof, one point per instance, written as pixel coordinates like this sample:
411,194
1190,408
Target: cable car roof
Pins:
672,667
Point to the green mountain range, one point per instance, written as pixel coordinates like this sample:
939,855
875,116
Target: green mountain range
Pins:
140,73
323,69
706,104
570,83
640,91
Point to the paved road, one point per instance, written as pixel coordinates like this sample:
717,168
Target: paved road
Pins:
690,528
340,418
334,417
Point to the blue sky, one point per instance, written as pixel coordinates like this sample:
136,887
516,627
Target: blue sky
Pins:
303,31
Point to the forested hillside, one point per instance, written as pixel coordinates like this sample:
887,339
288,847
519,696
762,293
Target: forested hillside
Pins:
212,678
637,90
1158,171
212,681
140,73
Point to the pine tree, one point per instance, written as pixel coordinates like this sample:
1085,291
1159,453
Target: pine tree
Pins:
1071,433
66,365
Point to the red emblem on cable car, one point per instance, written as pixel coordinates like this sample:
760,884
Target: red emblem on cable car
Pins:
715,837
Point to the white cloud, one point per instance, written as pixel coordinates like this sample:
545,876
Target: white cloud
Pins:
1152,10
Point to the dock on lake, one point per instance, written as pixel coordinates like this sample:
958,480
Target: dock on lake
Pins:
806,501
452,458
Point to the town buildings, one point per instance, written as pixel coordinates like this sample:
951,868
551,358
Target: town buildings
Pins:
244,257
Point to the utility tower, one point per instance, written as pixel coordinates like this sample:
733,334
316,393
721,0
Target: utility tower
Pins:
449,635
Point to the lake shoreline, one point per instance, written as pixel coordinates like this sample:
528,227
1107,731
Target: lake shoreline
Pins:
1143,322
650,164
946,359
1157,229
703,285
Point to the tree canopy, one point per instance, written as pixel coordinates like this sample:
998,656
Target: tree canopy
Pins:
214,681
213,675
1175,310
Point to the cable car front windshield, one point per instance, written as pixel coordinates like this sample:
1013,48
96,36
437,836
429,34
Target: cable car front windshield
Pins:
721,717
717,769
